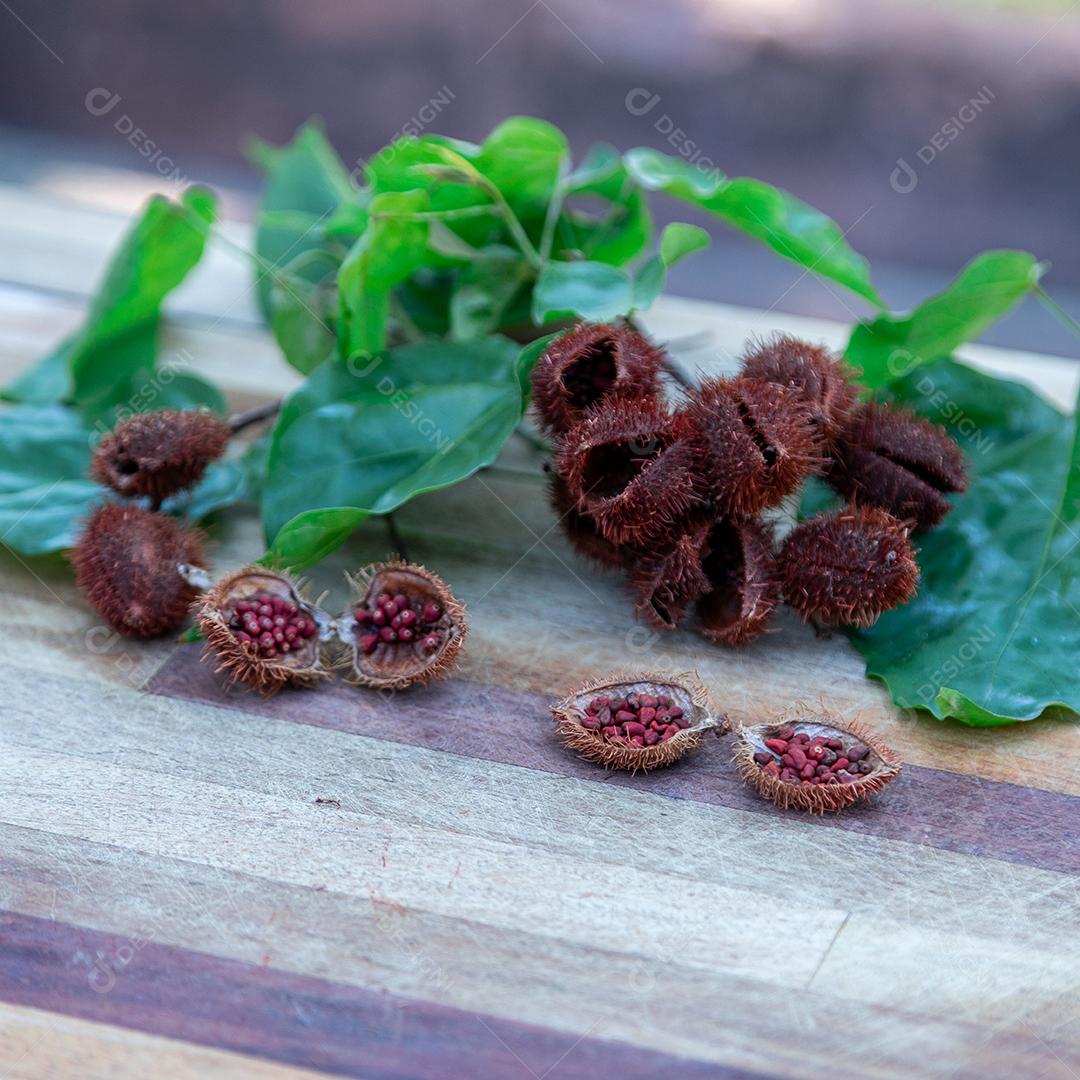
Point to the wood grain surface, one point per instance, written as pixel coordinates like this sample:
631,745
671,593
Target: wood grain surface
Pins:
195,881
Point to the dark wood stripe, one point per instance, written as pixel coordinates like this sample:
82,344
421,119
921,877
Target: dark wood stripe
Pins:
297,1019
923,806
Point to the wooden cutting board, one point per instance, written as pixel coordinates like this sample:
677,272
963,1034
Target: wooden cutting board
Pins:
198,882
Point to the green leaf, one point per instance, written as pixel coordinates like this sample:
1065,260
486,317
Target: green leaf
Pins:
168,389
523,158
371,436
588,290
302,324
982,292
305,184
679,240
309,537
598,292
98,366
777,219
46,518
44,456
391,248
992,636
483,292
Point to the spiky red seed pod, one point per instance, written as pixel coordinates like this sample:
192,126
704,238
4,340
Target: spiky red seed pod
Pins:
823,383
130,564
580,529
266,666
157,454
848,567
891,458
666,578
406,627
767,756
680,714
756,442
744,585
586,364
629,467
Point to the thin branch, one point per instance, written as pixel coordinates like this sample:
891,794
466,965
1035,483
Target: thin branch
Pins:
239,421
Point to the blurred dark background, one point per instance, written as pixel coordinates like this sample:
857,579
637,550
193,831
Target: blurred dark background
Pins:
827,98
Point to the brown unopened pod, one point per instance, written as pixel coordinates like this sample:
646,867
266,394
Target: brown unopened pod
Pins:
260,631
808,759
636,721
404,627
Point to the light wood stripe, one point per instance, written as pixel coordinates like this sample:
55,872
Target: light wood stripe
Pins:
40,1045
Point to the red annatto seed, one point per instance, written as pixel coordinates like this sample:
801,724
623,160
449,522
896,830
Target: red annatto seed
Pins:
624,716
762,757
383,599
431,642
378,617
388,633
816,751
432,613
368,643
779,745
406,634
407,617
646,714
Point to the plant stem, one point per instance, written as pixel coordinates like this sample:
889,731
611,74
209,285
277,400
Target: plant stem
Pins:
397,541
1057,310
239,421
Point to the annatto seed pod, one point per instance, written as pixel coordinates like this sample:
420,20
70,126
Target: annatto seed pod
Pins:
261,632
636,722
630,469
893,459
744,585
586,364
666,578
405,627
822,382
135,567
807,759
156,454
756,442
848,567
580,529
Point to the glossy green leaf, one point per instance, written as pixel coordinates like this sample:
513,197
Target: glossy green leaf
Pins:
391,248
46,518
309,537
777,219
305,184
587,290
372,435
523,158
679,240
98,366
989,286
303,324
483,292
993,635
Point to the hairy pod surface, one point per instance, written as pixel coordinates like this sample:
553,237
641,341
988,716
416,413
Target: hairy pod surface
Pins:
157,454
668,576
743,582
405,627
260,631
636,722
588,363
808,759
756,442
849,567
130,563
581,530
893,459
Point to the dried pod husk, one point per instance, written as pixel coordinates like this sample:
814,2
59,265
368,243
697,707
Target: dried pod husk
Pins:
743,582
132,565
573,720
588,363
781,781
580,529
629,467
667,577
891,458
157,454
418,647
756,442
823,383
849,567
264,665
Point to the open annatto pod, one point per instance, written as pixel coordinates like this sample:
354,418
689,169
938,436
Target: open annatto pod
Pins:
587,363
404,627
260,631
673,708
840,762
